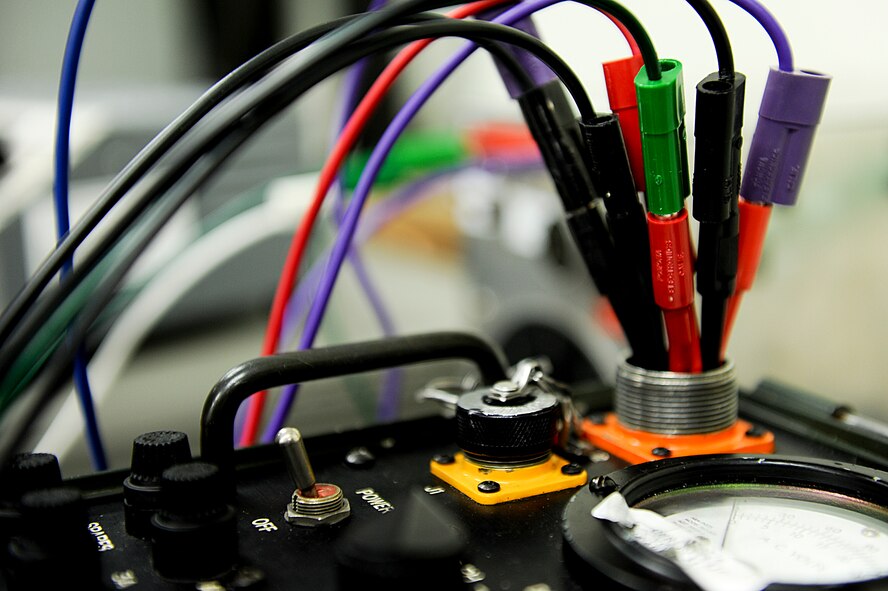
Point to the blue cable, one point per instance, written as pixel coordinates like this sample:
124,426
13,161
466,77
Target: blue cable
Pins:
60,198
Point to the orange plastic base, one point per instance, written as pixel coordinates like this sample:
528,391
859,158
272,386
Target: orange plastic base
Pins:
636,447
514,483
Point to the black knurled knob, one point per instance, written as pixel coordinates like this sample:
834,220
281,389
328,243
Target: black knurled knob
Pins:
194,532
191,492
153,453
56,547
518,430
156,451
30,471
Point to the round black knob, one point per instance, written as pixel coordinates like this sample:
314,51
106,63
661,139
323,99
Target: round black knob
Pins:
506,430
156,451
54,546
418,546
195,532
153,453
30,471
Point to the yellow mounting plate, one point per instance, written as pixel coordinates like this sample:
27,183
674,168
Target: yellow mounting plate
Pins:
514,483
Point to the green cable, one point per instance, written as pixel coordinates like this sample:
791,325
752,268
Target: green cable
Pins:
50,336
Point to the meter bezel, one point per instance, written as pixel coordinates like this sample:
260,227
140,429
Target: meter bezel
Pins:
597,548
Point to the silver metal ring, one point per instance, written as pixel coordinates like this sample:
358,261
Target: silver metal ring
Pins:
672,403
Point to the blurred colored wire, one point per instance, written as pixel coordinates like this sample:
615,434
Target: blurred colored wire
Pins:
362,191
391,386
159,295
67,85
346,141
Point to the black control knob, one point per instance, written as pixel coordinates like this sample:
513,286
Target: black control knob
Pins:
502,427
30,471
53,546
195,532
153,453
418,546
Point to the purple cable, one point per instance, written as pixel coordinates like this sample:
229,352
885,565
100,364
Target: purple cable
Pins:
391,387
368,176
537,70
774,30
377,217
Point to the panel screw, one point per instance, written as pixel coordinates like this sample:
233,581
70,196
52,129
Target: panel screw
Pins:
599,456
247,578
602,485
488,486
756,431
360,457
571,469
443,459
661,452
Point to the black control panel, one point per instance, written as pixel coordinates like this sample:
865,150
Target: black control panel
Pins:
405,529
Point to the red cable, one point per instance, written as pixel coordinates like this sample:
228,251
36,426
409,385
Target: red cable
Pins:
672,272
344,144
754,218
629,38
619,78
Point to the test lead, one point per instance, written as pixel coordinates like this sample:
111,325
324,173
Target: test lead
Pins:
603,248
661,113
717,132
788,116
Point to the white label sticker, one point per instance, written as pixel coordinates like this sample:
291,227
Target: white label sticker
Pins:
740,542
699,556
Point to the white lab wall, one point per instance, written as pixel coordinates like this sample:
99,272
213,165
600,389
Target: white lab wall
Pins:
128,41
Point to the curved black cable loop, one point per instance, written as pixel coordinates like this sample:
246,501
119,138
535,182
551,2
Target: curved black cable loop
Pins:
247,73
263,373
290,91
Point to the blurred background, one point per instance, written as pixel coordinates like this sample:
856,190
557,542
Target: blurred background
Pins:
483,250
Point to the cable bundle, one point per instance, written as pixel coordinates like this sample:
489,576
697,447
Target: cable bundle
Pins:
45,326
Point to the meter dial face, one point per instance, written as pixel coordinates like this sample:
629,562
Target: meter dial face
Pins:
790,535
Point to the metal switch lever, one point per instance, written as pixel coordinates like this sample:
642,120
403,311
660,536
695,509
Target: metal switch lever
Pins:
298,465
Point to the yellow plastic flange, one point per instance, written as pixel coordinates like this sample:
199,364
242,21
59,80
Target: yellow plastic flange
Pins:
514,483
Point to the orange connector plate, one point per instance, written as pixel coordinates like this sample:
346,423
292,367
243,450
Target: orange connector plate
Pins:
514,483
636,447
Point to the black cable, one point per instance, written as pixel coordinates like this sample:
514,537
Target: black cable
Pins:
719,121
284,82
148,157
379,41
254,120
264,373
60,362
300,81
609,251
719,35
161,144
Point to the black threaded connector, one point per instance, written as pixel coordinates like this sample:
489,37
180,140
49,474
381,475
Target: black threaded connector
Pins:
553,127
718,139
611,178
608,165
716,264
